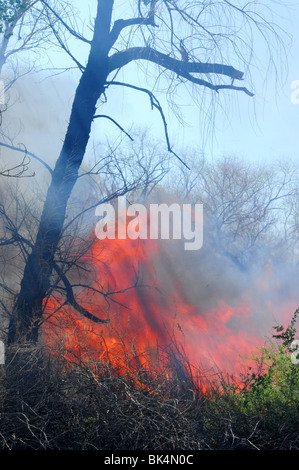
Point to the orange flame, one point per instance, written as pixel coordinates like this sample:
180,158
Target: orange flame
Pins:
139,285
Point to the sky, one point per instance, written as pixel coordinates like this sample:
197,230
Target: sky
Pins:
262,128
265,127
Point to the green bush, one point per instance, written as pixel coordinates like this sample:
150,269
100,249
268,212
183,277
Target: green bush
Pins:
277,375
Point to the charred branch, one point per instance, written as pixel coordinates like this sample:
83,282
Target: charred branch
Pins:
71,298
120,59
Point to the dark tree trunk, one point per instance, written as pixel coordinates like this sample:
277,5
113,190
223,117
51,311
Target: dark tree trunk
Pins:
35,282
27,312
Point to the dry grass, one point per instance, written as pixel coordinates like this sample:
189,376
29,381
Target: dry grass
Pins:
46,403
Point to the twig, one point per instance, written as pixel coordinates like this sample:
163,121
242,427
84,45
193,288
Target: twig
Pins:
154,104
115,122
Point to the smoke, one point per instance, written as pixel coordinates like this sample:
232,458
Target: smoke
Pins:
38,107
208,278
34,118
218,309
218,303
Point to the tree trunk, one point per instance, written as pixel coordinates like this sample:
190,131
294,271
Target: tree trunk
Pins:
27,311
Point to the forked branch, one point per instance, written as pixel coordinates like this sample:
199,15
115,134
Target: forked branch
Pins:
71,298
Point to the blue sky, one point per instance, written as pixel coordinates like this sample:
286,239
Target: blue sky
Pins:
264,127
261,128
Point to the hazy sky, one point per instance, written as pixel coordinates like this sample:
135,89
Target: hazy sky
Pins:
261,128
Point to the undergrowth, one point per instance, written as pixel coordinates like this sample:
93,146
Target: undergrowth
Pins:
49,403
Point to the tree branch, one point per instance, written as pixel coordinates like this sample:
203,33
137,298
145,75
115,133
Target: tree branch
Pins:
154,104
119,25
114,122
72,301
216,88
29,154
122,58
68,28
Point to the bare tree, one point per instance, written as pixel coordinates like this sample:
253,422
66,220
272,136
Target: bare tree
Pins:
249,207
22,28
183,41
123,170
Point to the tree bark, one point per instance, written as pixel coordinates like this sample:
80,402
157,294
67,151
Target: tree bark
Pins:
27,312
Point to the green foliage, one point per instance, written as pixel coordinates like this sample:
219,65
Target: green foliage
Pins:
287,335
275,384
262,410
10,10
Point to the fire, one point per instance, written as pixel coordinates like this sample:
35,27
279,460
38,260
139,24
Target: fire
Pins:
155,297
